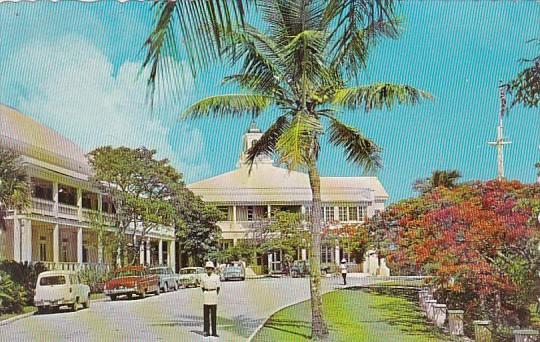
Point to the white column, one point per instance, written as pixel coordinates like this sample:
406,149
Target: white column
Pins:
234,242
171,255
79,245
336,214
17,234
118,257
270,262
160,252
55,198
56,243
141,252
337,256
148,252
79,204
100,203
304,254
269,210
100,250
26,239
234,213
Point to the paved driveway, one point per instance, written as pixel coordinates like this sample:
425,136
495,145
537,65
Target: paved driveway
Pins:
171,316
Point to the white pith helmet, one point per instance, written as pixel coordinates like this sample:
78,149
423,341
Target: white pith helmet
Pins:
343,261
209,264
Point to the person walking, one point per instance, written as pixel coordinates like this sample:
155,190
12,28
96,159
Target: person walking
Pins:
210,285
343,268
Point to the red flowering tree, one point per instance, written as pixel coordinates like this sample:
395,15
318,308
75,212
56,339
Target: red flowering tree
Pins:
480,241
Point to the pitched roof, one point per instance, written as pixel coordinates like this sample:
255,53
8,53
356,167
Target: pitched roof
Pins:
268,183
30,138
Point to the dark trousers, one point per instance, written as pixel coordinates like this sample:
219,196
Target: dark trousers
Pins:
344,275
210,315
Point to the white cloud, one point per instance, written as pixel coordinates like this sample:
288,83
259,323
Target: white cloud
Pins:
70,85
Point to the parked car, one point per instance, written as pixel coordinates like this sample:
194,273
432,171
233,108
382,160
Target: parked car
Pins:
132,280
233,271
60,288
300,268
168,279
190,276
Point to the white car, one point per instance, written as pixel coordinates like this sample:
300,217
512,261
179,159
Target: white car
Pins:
60,288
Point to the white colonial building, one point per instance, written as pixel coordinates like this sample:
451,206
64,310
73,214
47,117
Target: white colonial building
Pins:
249,197
56,228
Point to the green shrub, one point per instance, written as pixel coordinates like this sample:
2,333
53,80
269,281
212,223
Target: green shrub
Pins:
24,274
12,295
95,278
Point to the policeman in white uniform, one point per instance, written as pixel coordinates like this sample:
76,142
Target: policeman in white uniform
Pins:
210,285
343,268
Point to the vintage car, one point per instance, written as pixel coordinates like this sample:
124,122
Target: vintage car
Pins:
190,276
168,279
60,288
233,271
132,280
300,268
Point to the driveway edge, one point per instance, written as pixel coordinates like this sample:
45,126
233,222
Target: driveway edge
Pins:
16,318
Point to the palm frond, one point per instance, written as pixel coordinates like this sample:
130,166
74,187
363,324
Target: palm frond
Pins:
266,145
358,148
379,95
295,144
228,105
197,25
351,53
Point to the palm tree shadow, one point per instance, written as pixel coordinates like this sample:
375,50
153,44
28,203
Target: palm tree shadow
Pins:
292,327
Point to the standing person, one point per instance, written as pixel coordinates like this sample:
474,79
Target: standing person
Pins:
210,285
343,268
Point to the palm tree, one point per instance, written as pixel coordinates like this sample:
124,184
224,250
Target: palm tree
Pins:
439,178
300,66
14,189
194,29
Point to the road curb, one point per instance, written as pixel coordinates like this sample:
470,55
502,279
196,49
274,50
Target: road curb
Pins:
16,318
250,338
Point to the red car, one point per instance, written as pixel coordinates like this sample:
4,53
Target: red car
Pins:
132,280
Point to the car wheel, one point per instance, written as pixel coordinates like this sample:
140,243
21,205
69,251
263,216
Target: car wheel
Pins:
158,291
243,278
166,288
86,304
42,310
175,286
142,294
113,297
75,305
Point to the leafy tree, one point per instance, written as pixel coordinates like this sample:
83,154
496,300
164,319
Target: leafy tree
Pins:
301,65
480,240
444,178
12,295
14,190
526,85
140,187
196,228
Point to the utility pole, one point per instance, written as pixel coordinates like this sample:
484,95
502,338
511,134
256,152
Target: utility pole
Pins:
499,143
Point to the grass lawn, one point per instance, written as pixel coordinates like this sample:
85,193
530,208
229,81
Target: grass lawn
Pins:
26,309
94,296
354,316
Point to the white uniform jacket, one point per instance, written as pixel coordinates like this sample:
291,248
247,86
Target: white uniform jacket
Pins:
210,284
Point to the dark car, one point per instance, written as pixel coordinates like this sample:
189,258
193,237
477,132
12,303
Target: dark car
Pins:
300,268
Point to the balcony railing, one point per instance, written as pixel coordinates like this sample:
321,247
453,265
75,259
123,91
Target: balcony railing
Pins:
68,211
42,207
75,266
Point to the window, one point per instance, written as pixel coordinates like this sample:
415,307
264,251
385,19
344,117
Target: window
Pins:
250,213
52,280
361,213
64,250
42,189
353,213
342,214
67,195
327,254
328,214
89,200
42,248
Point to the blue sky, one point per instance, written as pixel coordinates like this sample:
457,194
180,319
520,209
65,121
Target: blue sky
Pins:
74,67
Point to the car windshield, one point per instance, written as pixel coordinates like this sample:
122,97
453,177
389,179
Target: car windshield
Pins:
187,271
128,273
52,280
233,269
158,271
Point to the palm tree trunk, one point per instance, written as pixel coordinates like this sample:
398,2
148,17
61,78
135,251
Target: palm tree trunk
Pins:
319,329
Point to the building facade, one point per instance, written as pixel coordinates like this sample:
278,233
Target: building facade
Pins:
249,197
56,229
